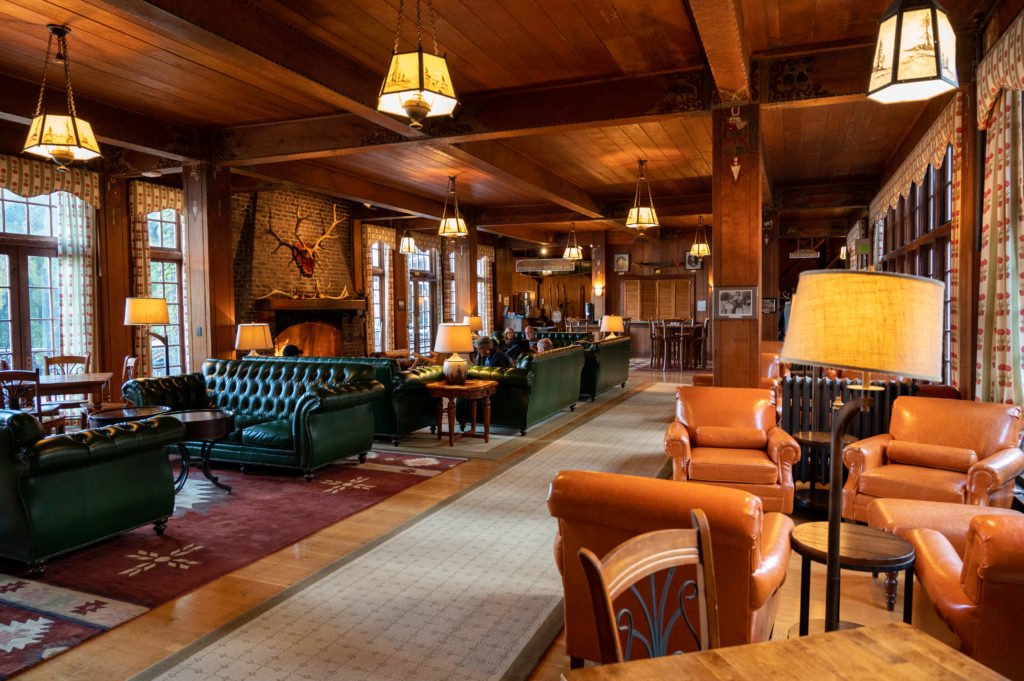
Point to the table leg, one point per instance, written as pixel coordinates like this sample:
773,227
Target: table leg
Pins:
891,583
805,593
205,451
472,416
186,463
487,418
439,404
908,594
451,421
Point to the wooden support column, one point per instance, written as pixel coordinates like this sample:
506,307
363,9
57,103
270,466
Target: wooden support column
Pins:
504,267
401,313
971,193
465,274
736,239
207,192
770,275
113,248
598,259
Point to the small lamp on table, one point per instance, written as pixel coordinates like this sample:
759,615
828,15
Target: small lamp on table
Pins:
611,324
475,323
454,338
870,322
254,338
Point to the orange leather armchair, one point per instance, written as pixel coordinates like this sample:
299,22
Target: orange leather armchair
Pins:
979,595
730,437
601,510
937,450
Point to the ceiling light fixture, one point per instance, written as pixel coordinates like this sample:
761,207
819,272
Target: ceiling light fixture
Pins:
62,138
915,55
418,85
453,226
573,251
700,247
641,216
407,245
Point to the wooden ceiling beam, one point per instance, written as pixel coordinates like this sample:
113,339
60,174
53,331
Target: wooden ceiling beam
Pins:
522,233
721,31
333,183
823,78
844,194
112,126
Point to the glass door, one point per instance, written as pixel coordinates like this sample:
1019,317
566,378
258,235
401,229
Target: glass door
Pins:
6,317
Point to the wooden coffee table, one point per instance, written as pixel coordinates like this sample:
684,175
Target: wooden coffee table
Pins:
206,427
112,417
861,548
471,390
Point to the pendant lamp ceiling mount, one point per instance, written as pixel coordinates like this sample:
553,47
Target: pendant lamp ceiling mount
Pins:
642,215
452,225
573,251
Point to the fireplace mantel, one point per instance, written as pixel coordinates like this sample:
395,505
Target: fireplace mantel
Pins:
275,304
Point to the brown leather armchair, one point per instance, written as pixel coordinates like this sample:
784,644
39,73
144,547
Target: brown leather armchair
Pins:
599,511
978,596
937,450
730,437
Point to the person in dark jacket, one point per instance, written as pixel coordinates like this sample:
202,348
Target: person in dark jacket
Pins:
489,356
527,344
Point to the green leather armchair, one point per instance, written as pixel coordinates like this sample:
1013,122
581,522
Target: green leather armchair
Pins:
606,364
63,492
295,412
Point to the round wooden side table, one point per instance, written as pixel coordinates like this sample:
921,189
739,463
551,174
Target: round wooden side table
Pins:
206,427
112,417
818,443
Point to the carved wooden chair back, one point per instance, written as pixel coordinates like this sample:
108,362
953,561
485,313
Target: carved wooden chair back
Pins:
646,569
66,364
128,370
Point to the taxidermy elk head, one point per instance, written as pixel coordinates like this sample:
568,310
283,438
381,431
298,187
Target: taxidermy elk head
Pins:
305,255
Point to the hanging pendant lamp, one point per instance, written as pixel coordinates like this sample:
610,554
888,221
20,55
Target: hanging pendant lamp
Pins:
915,55
418,85
407,244
573,251
453,226
642,216
700,247
62,138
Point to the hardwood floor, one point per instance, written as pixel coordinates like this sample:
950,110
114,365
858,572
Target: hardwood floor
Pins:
134,646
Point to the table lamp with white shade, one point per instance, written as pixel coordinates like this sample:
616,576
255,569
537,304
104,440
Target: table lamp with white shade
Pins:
475,323
253,337
611,324
454,338
870,322
146,312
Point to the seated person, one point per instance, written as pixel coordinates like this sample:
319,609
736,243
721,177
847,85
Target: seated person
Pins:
507,340
527,344
291,351
489,356
545,344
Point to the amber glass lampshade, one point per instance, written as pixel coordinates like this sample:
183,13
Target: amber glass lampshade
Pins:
915,54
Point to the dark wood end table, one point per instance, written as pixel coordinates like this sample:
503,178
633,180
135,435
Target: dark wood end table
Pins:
207,427
818,444
472,390
111,417
861,548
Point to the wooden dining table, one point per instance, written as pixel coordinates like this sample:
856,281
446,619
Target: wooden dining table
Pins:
884,651
74,384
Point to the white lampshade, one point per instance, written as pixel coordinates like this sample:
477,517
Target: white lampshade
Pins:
452,227
253,337
62,138
611,323
407,244
418,86
453,338
642,217
145,311
867,321
474,322
915,54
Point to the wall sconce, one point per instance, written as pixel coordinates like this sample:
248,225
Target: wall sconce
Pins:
598,290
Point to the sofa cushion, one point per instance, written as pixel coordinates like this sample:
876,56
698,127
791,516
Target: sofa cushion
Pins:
714,464
271,434
727,436
914,482
932,456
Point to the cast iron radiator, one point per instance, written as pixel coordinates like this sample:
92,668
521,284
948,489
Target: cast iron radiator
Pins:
807,405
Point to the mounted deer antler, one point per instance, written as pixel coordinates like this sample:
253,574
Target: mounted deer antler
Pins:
305,255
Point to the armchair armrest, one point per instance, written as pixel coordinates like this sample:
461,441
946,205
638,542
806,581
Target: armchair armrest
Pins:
677,447
864,455
782,448
769,575
939,568
992,473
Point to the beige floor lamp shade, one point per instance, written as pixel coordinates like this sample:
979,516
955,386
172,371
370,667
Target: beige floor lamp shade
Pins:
865,321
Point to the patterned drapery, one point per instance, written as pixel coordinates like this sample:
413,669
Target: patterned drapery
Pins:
1000,376
28,177
1001,69
76,273
386,235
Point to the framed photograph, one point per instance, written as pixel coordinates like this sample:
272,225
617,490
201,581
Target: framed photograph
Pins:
401,304
505,300
769,305
693,262
621,262
736,302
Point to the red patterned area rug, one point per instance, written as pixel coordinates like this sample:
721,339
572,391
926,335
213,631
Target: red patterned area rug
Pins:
211,534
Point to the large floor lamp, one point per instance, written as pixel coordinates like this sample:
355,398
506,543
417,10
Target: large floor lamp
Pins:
870,322
147,312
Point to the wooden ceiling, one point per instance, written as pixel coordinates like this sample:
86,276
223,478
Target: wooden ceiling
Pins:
559,97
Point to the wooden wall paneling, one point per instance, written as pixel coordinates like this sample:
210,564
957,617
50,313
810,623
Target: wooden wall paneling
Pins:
736,239
770,276
598,273
465,274
631,299
504,270
113,259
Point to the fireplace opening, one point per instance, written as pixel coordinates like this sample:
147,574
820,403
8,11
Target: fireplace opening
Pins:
315,339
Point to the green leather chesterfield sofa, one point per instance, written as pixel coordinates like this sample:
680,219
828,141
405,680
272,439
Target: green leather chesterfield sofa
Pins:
295,412
63,492
404,405
606,364
559,339
540,385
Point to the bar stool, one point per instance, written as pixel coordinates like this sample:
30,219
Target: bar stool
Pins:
696,347
657,343
673,332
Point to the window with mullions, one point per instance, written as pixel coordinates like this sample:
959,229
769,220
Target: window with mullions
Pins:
422,287
165,281
483,302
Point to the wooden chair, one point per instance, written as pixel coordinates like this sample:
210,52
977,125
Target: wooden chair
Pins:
696,347
65,365
19,390
127,374
657,344
632,567
672,331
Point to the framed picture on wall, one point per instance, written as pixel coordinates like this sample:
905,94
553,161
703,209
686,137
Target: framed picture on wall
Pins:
694,262
621,262
769,305
401,304
735,302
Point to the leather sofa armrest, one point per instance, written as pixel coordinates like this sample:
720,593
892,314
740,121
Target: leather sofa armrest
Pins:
938,567
992,473
864,455
504,376
337,397
769,575
782,448
677,447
